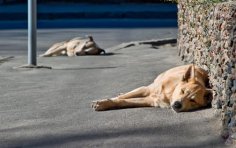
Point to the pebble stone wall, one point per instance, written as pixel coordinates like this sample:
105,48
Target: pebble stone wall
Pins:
207,36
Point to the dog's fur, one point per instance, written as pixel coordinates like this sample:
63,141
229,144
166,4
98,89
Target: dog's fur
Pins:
183,88
75,47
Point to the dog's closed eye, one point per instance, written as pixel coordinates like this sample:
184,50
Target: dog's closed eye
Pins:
192,100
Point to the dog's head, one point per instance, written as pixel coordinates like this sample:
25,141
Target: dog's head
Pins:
87,46
190,94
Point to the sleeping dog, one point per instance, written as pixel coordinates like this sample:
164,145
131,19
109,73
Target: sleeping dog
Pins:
74,47
182,88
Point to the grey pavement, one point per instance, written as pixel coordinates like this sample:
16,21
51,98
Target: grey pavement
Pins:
51,108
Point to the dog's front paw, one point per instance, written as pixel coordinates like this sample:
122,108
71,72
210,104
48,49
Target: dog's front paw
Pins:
102,105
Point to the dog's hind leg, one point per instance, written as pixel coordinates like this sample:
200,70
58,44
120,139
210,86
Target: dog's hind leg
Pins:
117,103
143,91
56,50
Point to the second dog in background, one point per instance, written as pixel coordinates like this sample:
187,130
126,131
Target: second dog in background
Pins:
75,47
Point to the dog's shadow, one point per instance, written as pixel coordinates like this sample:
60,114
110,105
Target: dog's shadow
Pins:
200,109
86,68
106,54
102,54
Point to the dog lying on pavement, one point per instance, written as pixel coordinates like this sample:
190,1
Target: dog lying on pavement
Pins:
75,47
182,88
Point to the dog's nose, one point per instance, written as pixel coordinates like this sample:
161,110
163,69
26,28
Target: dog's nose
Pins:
177,105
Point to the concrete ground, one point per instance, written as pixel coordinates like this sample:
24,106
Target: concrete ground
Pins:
51,108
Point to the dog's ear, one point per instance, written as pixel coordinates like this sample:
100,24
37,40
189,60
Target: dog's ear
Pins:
189,74
208,96
90,38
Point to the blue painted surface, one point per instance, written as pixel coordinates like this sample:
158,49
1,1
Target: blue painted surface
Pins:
93,23
91,16
61,8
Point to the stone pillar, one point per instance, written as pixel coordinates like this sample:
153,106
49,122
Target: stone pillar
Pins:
207,36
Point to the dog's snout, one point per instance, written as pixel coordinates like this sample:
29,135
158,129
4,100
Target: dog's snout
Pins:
177,105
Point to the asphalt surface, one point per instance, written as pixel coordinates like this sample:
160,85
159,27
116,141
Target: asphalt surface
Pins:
51,108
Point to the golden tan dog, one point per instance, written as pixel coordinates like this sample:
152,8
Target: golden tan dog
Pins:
183,88
75,47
